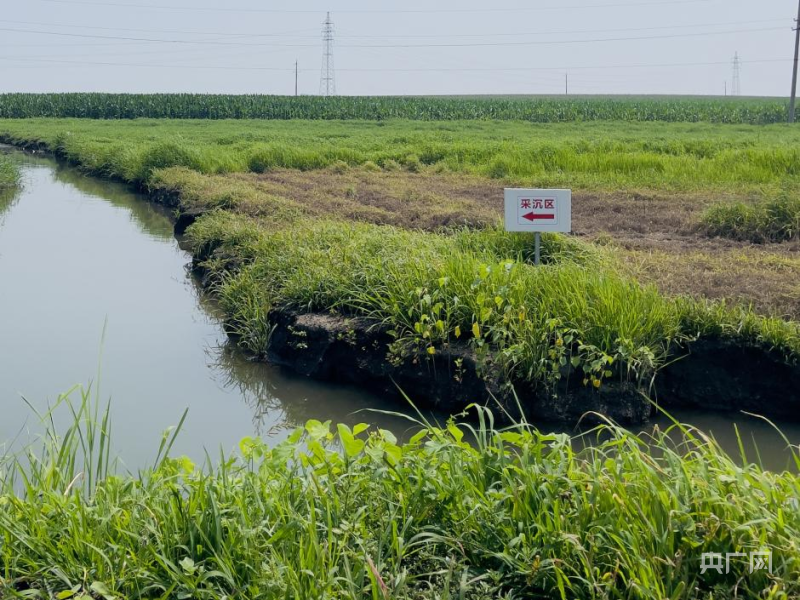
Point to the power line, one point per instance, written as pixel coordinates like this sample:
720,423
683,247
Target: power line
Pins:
561,32
405,46
214,42
553,42
181,31
145,65
421,70
293,33
571,67
378,11
182,53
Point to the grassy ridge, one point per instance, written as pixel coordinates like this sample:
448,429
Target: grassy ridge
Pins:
598,156
534,109
434,290
341,513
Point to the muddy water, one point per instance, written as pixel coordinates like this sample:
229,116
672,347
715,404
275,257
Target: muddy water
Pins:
93,288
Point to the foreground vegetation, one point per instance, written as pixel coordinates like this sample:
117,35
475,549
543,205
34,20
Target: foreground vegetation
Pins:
521,108
352,513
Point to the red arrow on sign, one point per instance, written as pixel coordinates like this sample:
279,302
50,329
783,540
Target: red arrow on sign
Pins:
535,217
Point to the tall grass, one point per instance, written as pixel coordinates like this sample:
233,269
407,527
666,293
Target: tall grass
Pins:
774,220
523,108
335,512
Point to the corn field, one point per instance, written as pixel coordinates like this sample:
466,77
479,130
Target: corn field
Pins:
521,108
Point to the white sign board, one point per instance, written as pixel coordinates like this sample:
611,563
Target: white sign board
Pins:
539,211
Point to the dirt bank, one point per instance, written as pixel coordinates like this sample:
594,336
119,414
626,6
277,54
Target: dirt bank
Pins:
354,350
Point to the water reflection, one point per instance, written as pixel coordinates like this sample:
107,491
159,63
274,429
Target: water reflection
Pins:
280,400
151,219
7,200
77,254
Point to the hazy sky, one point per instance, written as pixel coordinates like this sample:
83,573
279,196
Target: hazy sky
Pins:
410,47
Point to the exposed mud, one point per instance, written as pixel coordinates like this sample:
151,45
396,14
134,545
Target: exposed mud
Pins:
354,350
718,375
712,375
656,235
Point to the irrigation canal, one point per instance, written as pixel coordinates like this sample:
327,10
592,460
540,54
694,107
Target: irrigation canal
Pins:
94,289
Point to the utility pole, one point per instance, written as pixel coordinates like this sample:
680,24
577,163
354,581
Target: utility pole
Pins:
566,84
736,89
794,73
726,87
295,78
327,79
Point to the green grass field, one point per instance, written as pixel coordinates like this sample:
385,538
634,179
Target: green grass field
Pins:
599,156
774,220
370,219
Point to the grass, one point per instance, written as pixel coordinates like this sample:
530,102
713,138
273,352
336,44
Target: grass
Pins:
520,108
335,512
773,220
9,174
676,157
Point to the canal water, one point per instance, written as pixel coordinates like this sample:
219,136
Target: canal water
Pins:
94,290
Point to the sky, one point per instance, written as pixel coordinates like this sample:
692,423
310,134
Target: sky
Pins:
455,47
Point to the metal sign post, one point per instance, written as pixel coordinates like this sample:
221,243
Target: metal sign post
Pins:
537,212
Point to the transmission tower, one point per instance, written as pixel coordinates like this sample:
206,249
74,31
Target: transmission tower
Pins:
736,88
327,79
